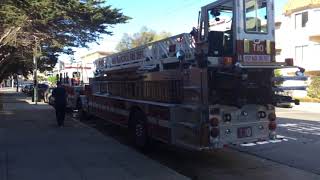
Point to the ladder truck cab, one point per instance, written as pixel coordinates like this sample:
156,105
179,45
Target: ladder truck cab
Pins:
212,87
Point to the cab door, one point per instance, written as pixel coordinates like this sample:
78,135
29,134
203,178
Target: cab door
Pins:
255,35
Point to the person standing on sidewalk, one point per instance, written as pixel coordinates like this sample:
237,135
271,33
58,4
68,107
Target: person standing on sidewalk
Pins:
59,94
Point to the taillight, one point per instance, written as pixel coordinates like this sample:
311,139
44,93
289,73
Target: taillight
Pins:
272,125
214,132
214,122
272,117
272,121
227,61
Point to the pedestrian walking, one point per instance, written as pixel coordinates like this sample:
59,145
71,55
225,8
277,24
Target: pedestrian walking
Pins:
59,94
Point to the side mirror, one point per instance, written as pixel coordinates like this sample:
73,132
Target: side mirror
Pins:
180,55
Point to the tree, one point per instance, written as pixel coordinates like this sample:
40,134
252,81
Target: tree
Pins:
143,37
53,80
51,27
125,43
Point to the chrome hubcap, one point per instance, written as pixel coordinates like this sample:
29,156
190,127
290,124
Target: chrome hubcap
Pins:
139,130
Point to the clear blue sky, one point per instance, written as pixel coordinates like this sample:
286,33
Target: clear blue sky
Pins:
174,16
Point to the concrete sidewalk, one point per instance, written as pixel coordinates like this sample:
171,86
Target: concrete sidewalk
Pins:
308,107
33,148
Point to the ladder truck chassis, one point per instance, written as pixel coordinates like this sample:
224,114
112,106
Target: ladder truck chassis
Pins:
212,87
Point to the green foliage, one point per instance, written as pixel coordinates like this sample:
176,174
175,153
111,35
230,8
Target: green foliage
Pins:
51,27
52,80
314,88
41,78
277,73
143,37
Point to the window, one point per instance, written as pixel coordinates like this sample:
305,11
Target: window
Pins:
256,16
301,20
76,74
220,34
300,54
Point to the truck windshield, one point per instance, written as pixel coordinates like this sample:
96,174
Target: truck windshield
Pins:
220,35
256,16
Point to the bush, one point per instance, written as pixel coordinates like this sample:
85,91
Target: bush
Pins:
52,80
277,73
314,88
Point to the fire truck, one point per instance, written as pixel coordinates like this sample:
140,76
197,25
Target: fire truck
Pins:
201,90
73,77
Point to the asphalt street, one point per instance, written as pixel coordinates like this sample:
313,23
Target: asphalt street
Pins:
300,130
284,158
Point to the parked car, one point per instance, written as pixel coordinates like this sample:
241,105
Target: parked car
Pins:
28,88
41,89
47,95
23,88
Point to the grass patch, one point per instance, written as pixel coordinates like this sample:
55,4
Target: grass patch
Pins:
314,88
309,99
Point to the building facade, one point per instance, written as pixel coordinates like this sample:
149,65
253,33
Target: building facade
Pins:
298,34
88,62
81,70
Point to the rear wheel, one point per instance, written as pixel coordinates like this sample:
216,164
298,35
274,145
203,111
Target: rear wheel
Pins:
83,115
138,130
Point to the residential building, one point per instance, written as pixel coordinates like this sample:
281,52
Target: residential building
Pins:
81,70
298,34
88,61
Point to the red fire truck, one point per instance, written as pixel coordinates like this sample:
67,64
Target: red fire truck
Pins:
201,90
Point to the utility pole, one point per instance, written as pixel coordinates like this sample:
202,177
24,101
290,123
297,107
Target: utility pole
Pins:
17,82
35,76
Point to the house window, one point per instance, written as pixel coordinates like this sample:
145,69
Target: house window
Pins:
301,20
300,54
256,16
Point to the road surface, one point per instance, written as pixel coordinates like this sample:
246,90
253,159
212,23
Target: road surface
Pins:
294,157
300,129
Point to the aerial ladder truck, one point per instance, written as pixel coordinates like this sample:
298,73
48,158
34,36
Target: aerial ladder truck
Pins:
201,90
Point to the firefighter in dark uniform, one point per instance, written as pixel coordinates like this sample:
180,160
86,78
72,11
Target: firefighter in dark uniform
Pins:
60,95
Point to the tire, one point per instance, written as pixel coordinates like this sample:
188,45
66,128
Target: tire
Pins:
138,131
83,115
79,105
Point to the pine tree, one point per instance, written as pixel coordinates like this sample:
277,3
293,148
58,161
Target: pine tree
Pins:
54,26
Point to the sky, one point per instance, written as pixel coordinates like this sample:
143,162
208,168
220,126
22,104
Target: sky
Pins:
174,16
